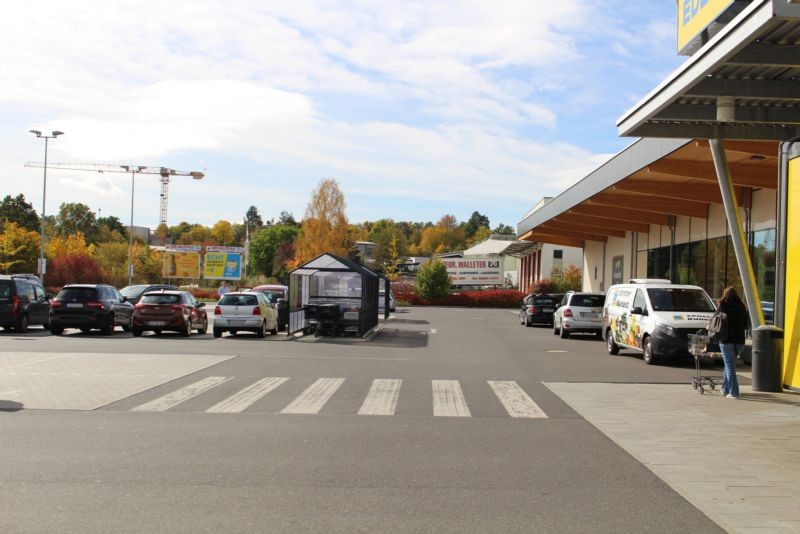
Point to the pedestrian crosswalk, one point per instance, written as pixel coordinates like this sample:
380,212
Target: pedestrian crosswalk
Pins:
382,398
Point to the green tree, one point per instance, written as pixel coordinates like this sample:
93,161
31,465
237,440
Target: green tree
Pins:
475,221
390,243
113,259
432,280
17,210
77,217
111,230
253,219
19,249
266,252
287,218
504,229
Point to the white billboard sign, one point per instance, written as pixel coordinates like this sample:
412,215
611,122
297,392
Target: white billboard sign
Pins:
477,271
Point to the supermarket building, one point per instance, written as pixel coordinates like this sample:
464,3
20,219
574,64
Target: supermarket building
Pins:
710,193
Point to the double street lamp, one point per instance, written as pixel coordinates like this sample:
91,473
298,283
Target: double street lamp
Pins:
53,135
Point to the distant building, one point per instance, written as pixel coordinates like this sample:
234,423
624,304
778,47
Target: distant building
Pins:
140,232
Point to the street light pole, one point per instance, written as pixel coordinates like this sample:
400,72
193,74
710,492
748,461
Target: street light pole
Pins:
133,170
42,264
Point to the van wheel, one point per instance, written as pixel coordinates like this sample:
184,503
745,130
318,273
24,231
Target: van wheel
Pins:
647,352
613,348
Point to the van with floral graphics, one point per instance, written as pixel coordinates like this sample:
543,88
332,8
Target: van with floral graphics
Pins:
654,317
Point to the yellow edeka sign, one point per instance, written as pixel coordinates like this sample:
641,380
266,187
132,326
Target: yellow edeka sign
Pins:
695,15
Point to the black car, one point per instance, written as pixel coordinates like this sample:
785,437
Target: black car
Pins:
538,309
90,306
23,302
135,292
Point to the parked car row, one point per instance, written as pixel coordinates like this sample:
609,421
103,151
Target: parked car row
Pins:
653,317
137,309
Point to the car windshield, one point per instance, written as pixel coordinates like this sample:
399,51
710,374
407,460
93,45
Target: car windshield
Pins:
239,300
157,298
680,300
588,301
544,302
77,294
133,291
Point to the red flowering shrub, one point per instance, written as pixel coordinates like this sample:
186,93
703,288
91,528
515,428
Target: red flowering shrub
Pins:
74,270
546,285
495,298
205,294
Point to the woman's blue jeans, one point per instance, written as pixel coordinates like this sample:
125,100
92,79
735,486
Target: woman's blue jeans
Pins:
730,385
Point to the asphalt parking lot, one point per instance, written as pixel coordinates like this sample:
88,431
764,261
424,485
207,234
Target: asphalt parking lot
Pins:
442,422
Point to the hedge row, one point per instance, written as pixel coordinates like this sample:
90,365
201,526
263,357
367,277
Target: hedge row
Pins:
497,298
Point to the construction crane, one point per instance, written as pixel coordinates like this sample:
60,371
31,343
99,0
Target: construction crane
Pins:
164,172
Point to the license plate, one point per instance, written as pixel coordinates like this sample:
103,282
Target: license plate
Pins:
236,323
156,323
74,305
547,310
591,315
351,315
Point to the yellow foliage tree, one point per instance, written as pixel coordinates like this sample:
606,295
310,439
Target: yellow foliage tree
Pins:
19,249
445,236
325,227
70,245
222,233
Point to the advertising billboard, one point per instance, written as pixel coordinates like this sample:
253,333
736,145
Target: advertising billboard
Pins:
477,271
182,261
223,263
694,16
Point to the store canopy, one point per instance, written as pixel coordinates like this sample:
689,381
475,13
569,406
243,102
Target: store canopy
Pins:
650,182
752,64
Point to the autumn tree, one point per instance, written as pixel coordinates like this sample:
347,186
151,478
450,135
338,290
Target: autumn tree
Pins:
267,249
19,249
445,236
222,233
113,259
71,245
325,227
480,235
74,217
17,210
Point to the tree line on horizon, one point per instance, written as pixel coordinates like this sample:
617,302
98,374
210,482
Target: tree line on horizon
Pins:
82,247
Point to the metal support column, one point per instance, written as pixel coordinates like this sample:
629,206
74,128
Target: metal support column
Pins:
737,232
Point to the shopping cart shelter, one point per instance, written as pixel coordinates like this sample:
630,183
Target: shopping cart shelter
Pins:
331,295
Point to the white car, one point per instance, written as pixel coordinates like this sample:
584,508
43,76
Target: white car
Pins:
579,312
245,310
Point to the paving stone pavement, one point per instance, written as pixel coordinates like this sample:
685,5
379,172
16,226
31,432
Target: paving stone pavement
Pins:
738,461
78,381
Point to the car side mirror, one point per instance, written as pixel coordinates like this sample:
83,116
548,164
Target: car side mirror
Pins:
124,299
638,311
201,304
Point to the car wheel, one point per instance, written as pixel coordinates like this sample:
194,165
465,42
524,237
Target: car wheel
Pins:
217,332
157,332
613,348
129,326
563,332
274,331
647,351
528,322
136,332
187,328
203,330
22,324
555,330
599,334
86,330
233,331
56,330
261,332
108,329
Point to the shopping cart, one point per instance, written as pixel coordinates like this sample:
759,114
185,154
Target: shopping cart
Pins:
698,344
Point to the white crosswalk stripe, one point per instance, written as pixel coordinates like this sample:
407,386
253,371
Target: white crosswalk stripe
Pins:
171,400
314,398
516,402
382,397
448,399
248,396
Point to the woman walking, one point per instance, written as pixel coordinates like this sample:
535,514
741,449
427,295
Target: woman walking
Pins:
732,342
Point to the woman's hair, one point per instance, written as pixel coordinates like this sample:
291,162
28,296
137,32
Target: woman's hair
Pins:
730,296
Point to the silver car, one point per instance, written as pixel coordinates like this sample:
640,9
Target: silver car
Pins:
245,310
579,312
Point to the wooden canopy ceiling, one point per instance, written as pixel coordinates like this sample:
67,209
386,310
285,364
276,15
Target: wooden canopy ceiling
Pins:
684,183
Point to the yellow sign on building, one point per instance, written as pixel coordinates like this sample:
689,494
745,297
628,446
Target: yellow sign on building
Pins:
791,342
694,16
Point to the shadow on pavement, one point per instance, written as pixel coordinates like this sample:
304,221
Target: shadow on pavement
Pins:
11,406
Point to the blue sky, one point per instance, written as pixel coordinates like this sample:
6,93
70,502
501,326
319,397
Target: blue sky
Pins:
417,108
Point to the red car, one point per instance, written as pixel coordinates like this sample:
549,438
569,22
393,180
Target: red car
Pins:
176,311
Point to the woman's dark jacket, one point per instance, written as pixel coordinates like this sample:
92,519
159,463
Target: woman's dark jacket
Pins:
737,322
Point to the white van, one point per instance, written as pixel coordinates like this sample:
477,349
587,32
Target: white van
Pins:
654,317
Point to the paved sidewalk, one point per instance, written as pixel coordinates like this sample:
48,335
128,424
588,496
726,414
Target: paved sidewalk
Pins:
738,461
